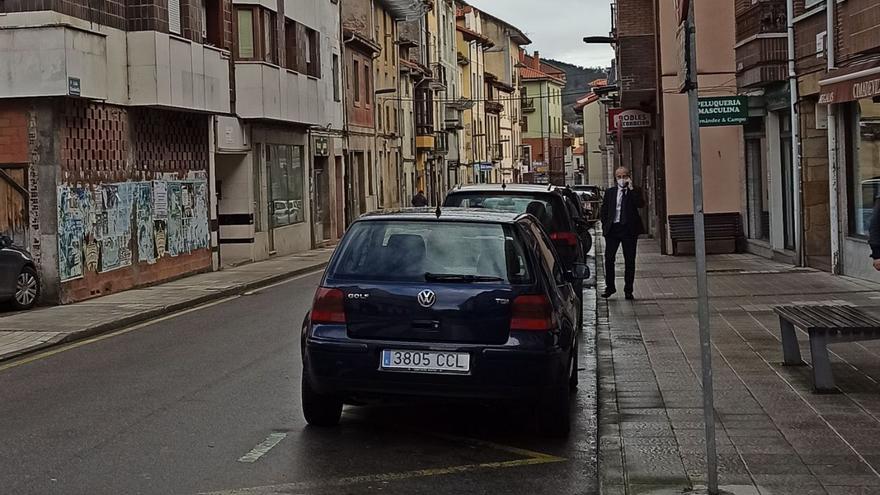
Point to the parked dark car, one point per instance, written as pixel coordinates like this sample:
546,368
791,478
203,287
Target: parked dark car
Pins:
591,197
547,203
579,217
19,282
465,305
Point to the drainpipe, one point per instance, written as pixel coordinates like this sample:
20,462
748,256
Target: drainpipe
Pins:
797,161
833,162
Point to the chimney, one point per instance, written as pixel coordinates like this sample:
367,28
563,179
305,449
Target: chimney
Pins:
536,60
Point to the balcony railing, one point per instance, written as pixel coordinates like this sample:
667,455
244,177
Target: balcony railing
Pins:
762,17
495,107
528,104
761,61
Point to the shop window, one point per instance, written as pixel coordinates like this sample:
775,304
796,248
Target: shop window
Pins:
863,164
285,166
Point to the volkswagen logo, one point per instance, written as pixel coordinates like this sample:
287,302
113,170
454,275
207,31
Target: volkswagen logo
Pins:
427,298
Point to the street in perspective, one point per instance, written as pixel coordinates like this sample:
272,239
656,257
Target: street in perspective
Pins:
588,247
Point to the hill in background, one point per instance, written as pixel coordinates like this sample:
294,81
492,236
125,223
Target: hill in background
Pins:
578,81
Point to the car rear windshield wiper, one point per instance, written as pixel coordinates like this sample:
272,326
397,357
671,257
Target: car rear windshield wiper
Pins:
452,277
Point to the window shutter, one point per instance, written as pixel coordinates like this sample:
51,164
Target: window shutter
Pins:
174,16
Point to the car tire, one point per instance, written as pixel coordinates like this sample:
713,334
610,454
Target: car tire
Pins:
27,289
319,410
554,416
588,244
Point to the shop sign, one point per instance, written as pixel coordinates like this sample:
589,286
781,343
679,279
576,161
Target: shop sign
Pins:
619,119
322,146
485,167
724,110
845,91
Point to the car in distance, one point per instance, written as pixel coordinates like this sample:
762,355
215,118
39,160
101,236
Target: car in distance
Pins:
465,305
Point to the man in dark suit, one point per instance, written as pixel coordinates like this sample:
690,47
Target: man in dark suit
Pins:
621,225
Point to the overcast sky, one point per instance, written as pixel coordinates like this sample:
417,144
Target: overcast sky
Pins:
556,27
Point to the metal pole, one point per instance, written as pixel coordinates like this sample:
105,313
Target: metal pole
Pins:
797,161
700,248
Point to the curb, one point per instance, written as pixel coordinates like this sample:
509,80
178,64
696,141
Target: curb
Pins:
154,313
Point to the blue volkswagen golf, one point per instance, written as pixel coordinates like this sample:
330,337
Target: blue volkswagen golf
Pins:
452,305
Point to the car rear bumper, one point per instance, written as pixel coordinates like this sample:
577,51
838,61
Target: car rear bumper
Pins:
351,370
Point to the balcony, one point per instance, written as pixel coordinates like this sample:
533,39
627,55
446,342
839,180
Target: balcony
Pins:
174,72
495,107
761,61
58,61
497,151
269,92
760,17
527,105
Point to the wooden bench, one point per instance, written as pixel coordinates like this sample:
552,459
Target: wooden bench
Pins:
719,227
825,324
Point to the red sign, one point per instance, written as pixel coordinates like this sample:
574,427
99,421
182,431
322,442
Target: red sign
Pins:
620,119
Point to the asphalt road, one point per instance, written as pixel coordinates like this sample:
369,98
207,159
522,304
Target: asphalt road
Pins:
208,401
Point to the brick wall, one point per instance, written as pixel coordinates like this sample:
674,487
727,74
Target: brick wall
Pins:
103,144
130,15
635,17
13,134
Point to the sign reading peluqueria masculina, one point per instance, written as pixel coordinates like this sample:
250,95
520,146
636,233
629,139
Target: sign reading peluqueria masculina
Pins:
723,110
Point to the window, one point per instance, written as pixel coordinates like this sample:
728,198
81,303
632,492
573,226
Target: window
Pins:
863,164
368,90
313,53
336,91
812,3
174,16
356,69
405,251
246,31
285,166
291,48
256,35
213,23
270,37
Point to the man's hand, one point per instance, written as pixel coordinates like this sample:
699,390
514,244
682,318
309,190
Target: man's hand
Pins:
877,265
629,184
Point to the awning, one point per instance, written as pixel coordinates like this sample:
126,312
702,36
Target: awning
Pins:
851,84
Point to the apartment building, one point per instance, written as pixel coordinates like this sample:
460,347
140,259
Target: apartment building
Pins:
107,154
542,132
503,112
475,164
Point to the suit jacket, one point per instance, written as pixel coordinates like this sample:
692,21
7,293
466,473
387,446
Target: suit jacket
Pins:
630,218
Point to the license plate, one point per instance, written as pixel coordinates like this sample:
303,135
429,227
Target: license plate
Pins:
426,361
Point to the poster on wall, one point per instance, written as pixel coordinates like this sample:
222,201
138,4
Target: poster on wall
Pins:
99,227
146,240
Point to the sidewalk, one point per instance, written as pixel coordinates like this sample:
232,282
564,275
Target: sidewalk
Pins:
774,435
31,330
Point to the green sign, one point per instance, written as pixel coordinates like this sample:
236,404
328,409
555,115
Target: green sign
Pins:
724,110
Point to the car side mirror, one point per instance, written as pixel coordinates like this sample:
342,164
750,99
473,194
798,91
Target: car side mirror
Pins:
580,271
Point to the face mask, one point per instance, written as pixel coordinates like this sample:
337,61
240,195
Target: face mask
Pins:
621,182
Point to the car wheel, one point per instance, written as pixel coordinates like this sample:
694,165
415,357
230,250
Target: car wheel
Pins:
588,244
319,410
554,416
573,376
27,289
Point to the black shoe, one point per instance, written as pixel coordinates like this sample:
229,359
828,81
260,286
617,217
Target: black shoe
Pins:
608,293
630,297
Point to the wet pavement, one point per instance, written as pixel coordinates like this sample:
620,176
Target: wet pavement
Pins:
774,435
207,401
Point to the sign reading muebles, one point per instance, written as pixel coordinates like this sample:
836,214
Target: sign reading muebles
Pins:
723,110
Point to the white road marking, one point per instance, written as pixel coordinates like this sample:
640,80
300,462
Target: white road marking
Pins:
285,281
262,449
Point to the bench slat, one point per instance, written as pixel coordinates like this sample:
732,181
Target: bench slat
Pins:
828,317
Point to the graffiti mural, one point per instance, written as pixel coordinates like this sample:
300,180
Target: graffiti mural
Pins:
104,227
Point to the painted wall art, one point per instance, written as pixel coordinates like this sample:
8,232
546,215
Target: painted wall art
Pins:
104,227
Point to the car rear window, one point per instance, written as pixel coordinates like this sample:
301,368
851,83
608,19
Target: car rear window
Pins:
547,208
400,250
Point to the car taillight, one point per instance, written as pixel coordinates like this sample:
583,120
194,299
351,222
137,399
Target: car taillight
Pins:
329,306
531,313
568,238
